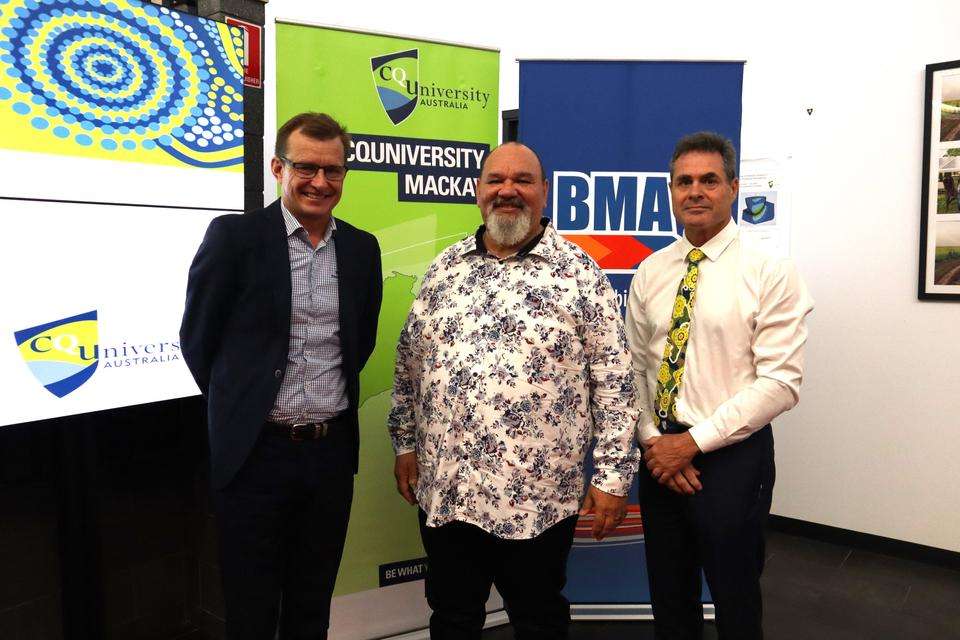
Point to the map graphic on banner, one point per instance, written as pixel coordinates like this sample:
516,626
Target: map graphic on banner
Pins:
421,116
609,181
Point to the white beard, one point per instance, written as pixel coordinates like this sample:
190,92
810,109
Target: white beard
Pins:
509,230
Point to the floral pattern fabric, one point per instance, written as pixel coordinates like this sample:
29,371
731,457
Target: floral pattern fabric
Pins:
505,371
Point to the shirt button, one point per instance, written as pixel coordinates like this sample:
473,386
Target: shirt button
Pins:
277,373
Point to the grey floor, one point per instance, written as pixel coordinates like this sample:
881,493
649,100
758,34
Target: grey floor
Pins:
815,590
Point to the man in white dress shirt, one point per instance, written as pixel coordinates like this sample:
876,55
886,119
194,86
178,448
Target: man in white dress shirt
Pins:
716,331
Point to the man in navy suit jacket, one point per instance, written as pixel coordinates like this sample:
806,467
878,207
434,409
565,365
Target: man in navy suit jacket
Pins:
281,316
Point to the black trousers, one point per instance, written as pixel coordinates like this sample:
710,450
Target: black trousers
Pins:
530,575
719,529
283,521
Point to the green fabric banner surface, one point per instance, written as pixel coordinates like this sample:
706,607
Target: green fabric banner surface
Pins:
422,115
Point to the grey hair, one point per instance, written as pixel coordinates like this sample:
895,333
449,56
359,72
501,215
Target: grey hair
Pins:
707,142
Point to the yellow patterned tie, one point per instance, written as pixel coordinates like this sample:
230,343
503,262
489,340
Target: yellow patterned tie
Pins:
670,373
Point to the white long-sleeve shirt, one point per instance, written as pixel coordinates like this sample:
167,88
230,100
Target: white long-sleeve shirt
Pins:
744,359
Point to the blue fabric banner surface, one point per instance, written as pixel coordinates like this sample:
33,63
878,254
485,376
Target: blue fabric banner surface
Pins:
605,131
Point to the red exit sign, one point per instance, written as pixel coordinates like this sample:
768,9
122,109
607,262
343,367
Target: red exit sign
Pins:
252,52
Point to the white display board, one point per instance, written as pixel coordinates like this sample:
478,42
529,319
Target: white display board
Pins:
40,176
117,276
122,138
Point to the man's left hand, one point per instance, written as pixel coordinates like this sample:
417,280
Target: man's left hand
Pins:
609,511
666,455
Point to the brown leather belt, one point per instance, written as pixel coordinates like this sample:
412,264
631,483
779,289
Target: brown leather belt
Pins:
303,430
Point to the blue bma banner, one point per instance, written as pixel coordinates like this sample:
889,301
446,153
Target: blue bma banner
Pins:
605,131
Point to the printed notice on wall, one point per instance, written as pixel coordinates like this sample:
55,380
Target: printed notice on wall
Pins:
763,210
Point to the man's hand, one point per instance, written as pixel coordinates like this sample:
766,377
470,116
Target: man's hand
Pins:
686,481
405,471
609,511
668,454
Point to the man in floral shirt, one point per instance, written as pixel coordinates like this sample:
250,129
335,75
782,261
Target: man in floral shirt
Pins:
513,357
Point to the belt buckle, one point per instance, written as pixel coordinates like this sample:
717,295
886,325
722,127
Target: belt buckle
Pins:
298,430
301,431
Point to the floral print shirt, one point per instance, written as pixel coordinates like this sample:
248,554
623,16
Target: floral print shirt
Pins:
505,371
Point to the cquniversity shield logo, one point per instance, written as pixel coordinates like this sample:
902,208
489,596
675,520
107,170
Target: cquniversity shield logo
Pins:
396,78
62,354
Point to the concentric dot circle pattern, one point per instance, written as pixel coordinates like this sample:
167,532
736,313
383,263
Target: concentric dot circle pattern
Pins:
123,75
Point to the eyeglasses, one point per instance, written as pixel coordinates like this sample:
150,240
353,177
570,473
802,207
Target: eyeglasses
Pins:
308,171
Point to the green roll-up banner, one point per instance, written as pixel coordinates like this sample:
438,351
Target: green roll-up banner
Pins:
422,115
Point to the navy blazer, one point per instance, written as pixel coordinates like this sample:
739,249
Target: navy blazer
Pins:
236,325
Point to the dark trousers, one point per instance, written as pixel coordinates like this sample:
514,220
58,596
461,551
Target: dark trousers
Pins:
282,522
720,529
530,575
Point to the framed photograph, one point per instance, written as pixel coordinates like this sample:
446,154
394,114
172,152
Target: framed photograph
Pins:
939,203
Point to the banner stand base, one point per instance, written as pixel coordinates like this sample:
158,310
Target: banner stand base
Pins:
577,612
622,612
494,619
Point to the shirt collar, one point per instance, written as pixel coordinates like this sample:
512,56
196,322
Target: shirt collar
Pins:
537,245
716,245
292,224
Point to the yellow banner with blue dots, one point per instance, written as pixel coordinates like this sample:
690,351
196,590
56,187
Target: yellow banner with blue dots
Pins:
120,80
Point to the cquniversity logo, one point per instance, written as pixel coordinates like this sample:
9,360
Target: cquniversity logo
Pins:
62,354
396,78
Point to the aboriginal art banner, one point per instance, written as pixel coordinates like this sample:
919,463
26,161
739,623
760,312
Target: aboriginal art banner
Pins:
422,116
120,101
122,137
605,131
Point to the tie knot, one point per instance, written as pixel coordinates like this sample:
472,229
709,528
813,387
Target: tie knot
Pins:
695,255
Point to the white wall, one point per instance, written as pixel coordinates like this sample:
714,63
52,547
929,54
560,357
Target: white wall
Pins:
875,444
